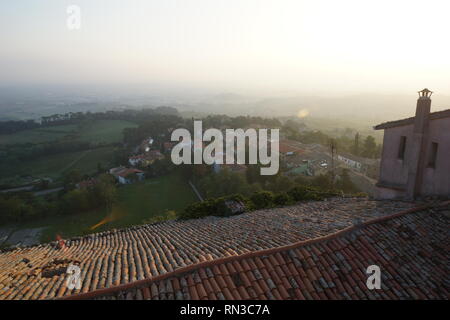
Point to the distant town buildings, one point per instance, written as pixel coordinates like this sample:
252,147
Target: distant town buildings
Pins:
145,159
86,184
303,169
350,162
168,146
289,148
416,154
127,175
146,144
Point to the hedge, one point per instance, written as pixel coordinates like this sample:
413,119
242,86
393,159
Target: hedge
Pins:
259,200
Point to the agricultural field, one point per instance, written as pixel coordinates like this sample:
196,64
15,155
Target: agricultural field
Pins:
98,131
53,166
103,131
40,135
136,204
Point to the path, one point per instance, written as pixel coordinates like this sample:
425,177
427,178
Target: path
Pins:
44,192
74,161
196,191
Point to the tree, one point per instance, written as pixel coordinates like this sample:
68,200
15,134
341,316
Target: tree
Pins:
280,184
10,208
100,168
105,191
322,181
71,178
355,148
345,183
262,199
370,147
75,201
226,183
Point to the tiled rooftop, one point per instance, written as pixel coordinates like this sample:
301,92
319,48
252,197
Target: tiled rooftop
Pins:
403,122
119,257
412,251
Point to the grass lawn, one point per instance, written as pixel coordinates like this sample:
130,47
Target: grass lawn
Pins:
153,197
136,203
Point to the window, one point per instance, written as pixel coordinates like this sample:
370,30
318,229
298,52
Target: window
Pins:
433,155
402,148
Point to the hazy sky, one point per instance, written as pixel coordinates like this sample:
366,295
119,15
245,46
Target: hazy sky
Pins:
231,45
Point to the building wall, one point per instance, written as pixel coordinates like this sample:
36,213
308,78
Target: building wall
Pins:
436,181
122,180
350,162
394,171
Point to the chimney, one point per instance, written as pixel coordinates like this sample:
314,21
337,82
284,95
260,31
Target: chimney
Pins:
416,161
422,111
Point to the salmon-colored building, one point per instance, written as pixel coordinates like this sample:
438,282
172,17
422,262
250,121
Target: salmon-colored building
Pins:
416,154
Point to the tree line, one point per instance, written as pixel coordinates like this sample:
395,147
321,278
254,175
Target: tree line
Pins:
358,145
13,126
25,206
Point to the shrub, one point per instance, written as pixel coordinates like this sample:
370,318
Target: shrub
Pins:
200,209
301,193
282,199
212,207
232,205
168,215
360,195
262,199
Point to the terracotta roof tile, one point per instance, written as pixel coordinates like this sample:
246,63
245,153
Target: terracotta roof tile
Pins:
148,252
346,279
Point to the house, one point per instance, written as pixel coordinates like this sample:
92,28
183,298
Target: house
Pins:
146,144
289,148
152,156
135,160
127,175
145,159
86,184
416,154
303,169
168,146
350,162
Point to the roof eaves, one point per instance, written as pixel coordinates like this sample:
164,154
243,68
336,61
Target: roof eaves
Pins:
404,122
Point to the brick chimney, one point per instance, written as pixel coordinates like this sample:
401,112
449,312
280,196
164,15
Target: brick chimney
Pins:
416,163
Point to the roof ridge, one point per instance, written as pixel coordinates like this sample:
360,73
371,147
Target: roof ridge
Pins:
405,121
210,263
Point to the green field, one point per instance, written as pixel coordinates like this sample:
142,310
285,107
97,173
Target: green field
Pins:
37,135
54,166
98,131
136,203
